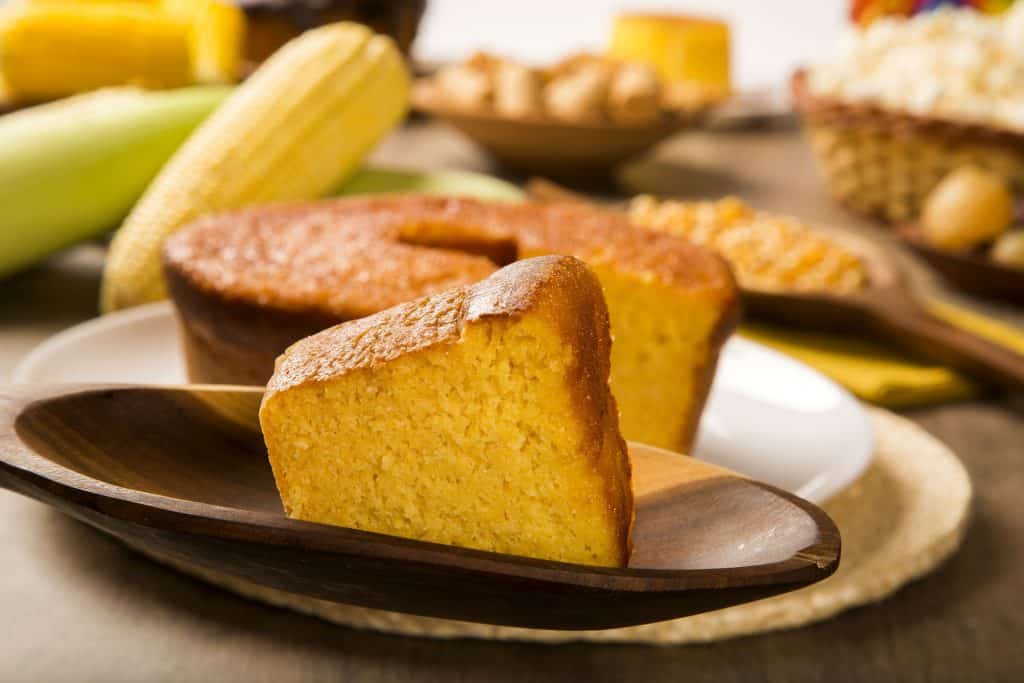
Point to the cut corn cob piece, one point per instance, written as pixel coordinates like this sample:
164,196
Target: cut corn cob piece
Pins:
50,50
295,130
145,3
216,37
72,169
683,49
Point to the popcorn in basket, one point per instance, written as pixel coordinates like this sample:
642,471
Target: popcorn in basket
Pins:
906,101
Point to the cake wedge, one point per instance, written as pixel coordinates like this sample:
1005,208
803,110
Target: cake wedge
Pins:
478,417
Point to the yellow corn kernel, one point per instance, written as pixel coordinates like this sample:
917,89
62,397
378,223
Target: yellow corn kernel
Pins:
54,49
60,47
149,3
216,37
766,251
298,127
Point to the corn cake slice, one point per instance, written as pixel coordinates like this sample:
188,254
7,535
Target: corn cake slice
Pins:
479,417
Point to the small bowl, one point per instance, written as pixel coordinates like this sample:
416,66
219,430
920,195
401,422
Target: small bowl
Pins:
968,271
272,23
558,149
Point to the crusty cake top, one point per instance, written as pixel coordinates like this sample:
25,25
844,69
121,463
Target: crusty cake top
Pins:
347,258
577,309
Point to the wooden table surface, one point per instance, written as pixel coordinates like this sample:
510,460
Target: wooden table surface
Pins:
77,606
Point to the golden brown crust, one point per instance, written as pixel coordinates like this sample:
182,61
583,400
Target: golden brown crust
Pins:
328,261
559,287
213,360
704,376
353,257
438,319
619,483
265,277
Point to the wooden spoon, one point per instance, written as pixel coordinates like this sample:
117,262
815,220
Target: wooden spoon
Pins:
182,473
887,308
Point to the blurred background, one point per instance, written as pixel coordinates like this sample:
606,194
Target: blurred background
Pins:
769,39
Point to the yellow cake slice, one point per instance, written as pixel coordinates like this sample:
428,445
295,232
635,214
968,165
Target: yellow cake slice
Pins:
479,417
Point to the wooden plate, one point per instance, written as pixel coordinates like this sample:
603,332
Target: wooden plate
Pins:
182,474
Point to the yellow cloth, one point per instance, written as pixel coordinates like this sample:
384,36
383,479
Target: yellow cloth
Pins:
879,374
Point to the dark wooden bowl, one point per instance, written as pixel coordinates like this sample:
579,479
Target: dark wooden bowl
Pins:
182,473
967,271
558,149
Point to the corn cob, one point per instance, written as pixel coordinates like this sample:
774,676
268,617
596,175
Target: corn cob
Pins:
294,130
53,48
216,37
686,51
72,169
145,3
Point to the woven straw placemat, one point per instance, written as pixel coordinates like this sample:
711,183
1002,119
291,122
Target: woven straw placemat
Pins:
903,517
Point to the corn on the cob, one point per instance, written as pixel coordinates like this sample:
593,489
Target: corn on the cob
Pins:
53,48
216,37
145,3
294,130
685,50
72,169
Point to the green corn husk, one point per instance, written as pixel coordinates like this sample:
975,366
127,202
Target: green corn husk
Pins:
453,183
72,169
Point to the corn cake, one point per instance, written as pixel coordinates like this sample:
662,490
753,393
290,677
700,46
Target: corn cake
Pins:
479,417
247,284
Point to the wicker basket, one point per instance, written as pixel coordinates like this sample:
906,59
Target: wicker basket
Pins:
883,163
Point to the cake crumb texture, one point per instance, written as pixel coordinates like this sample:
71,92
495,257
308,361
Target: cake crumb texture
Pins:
480,417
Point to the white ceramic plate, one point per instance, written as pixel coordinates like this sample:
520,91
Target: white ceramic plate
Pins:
768,416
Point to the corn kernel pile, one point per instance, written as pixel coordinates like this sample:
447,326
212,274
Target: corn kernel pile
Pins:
766,251
54,48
